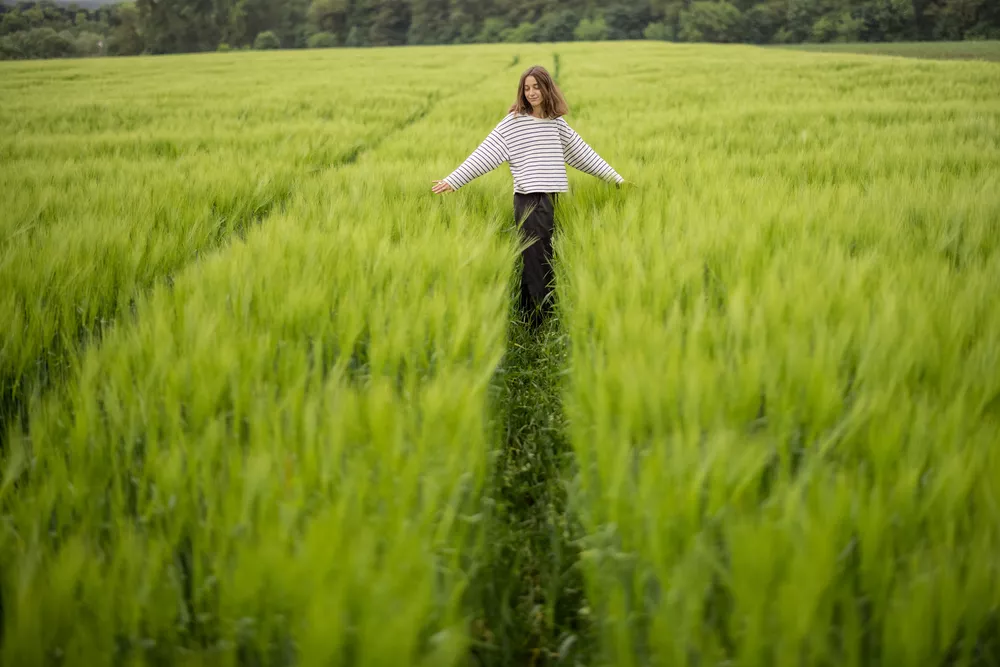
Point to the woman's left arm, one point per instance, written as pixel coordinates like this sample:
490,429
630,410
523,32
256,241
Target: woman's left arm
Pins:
581,156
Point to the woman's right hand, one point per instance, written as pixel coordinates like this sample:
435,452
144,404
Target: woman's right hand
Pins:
441,187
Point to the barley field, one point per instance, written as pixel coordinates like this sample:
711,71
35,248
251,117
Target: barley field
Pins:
266,399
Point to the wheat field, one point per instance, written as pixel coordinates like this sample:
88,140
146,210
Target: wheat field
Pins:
266,399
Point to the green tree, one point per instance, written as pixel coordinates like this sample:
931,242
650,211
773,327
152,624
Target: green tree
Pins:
266,40
292,23
800,15
125,37
247,19
658,31
761,22
429,22
492,31
390,25
591,30
328,16
355,38
669,12
526,32
626,21
88,44
557,26
45,42
467,17
887,20
953,19
14,21
12,47
322,40
181,26
710,22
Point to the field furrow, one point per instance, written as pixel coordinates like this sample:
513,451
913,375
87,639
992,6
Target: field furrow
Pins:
531,605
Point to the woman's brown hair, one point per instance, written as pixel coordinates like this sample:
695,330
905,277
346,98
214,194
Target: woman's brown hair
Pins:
553,103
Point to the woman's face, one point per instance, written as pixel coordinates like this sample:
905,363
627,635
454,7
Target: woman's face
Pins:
533,91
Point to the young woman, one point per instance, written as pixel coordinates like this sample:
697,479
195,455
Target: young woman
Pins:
538,143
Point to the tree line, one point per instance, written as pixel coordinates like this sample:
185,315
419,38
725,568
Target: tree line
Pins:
45,29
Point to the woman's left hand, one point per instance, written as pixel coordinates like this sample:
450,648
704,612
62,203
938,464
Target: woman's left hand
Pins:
441,187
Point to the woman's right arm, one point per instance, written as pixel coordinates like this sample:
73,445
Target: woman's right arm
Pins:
488,156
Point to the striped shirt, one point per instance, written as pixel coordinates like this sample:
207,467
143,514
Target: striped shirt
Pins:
538,150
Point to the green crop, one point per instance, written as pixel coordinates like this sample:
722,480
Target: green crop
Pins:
264,402
785,358
120,173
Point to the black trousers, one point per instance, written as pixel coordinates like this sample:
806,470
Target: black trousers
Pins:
535,214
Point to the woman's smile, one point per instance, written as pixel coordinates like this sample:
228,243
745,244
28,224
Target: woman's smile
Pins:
533,91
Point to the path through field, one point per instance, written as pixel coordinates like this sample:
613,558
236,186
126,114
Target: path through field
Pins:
266,400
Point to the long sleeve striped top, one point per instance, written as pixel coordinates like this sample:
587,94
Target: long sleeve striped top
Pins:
538,150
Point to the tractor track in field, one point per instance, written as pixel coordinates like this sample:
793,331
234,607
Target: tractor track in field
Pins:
52,367
530,596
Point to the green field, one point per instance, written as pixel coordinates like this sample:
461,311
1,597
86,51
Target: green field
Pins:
266,401
968,50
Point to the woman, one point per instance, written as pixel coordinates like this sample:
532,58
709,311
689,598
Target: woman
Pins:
538,143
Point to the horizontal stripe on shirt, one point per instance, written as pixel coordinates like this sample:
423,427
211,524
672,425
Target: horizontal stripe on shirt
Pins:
537,150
